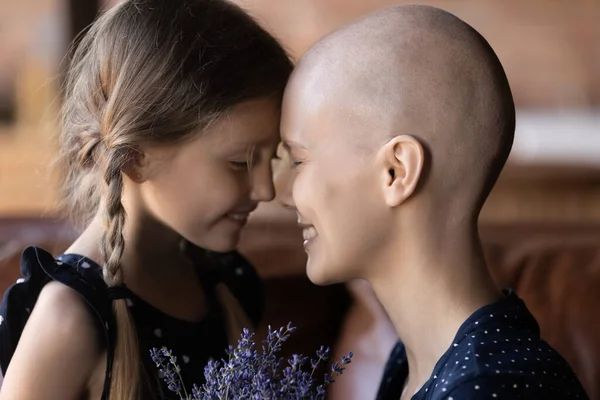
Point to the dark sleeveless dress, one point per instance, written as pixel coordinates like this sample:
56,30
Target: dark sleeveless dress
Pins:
194,344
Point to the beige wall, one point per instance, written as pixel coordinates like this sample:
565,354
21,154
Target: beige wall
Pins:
550,50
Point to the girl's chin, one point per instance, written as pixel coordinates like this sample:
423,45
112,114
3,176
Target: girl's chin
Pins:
219,242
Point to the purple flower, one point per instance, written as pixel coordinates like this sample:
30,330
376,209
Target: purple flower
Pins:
250,374
166,362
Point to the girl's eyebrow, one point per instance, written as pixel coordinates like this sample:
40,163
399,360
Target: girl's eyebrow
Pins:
245,146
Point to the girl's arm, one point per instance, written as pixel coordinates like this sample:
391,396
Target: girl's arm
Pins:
58,351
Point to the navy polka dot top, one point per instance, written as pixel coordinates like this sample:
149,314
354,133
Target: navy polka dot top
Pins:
194,343
496,354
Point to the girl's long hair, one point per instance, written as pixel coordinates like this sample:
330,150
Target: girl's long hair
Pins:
151,72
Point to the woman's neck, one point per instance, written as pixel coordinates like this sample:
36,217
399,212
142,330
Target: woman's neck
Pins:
429,291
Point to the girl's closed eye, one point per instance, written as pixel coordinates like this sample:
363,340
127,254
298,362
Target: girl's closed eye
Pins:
243,161
239,165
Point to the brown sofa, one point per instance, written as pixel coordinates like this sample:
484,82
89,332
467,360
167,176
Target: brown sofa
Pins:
556,269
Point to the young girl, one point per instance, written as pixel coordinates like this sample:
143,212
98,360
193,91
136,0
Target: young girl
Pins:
170,123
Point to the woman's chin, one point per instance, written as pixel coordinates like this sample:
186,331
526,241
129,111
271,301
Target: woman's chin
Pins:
320,275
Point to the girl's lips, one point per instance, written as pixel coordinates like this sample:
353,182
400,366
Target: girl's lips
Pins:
238,218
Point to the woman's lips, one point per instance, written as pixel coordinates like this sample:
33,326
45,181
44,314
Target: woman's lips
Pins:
309,234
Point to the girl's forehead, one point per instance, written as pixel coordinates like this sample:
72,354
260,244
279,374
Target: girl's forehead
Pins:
239,140
250,124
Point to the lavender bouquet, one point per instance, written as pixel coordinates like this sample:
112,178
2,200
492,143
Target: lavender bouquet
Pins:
250,374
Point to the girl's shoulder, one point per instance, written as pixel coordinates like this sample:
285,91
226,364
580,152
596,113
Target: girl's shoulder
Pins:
38,268
61,335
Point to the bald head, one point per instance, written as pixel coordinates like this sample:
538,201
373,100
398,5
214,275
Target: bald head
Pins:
418,71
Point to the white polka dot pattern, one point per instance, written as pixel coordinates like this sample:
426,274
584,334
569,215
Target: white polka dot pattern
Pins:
496,354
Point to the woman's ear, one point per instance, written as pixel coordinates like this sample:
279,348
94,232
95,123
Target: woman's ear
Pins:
402,164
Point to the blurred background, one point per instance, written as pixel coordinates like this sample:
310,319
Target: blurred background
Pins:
550,50
541,225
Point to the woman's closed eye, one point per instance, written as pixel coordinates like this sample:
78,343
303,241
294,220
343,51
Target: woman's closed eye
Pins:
297,163
240,165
